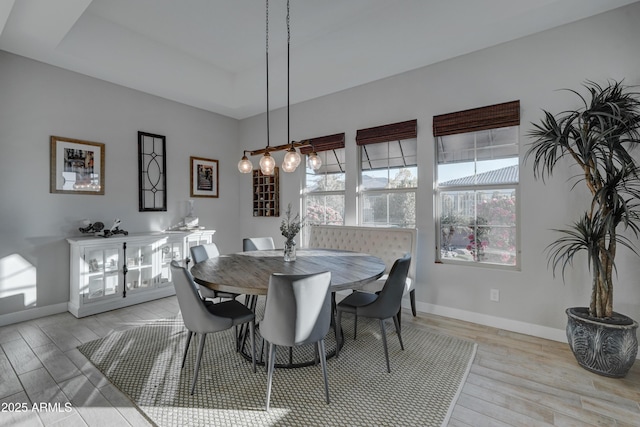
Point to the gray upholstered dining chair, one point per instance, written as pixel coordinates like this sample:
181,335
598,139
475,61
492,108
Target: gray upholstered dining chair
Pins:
203,319
381,306
202,253
257,244
409,289
297,312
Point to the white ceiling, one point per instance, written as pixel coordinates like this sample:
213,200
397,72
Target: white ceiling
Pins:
211,53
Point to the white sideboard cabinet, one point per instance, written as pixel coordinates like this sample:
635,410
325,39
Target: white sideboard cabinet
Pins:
115,272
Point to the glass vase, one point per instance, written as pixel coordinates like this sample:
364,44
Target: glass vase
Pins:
289,250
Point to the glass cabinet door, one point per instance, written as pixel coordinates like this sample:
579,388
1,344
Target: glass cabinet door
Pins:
170,251
148,265
139,262
100,273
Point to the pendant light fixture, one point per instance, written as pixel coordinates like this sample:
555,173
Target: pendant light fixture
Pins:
244,165
267,164
292,158
314,161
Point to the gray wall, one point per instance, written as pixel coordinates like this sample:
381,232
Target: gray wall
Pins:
37,101
529,69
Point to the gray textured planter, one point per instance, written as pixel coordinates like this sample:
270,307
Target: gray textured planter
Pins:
607,348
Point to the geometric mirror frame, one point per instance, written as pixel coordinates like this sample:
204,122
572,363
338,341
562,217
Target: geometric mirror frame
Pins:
152,168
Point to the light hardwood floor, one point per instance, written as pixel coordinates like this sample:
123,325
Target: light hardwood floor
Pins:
515,380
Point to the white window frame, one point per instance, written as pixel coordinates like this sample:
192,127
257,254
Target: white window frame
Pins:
306,193
475,188
382,191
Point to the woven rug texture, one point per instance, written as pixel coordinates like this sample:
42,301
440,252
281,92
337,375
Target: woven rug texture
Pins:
421,389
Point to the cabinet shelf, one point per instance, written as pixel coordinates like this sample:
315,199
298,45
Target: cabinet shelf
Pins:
138,267
102,273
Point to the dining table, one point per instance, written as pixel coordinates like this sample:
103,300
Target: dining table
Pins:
248,273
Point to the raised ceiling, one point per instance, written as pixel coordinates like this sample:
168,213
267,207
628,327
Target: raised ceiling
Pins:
211,53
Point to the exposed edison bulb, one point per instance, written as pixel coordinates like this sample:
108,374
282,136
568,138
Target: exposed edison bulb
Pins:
288,166
267,164
297,158
244,165
291,160
314,161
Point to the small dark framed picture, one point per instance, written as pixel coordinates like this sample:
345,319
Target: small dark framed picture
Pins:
204,177
77,167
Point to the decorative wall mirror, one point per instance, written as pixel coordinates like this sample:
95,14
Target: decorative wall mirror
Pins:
152,167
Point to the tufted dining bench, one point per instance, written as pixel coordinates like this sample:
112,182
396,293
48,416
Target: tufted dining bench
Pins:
388,244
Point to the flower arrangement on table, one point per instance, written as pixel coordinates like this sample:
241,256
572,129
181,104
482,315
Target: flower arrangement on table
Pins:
290,227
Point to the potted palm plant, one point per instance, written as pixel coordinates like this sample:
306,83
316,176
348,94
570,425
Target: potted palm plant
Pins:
597,138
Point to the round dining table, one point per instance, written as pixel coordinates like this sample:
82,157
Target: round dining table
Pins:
248,273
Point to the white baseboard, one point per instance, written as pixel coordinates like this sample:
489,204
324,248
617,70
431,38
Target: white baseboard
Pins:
493,321
539,331
32,313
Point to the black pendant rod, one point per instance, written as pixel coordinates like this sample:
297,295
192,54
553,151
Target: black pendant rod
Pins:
267,60
288,43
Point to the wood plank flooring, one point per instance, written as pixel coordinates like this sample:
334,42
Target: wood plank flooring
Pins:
515,380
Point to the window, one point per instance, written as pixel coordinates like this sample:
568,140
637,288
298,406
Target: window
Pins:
388,175
476,192
324,188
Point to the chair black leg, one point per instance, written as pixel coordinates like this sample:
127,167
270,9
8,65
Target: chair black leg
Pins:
396,321
399,316
250,301
186,347
338,330
197,368
384,344
333,309
323,363
252,332
355,326
271,360
412,297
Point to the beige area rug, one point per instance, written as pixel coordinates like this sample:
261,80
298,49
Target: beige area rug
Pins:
421,390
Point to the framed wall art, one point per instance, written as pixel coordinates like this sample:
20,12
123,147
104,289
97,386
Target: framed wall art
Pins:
204,177
77,167
152,172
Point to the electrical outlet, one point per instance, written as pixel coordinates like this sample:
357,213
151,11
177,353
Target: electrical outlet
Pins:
494,295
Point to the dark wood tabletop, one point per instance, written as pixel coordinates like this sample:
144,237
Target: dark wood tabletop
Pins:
248,272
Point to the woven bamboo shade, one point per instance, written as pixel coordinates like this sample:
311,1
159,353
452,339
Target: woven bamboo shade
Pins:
385,133
476,119
324,143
